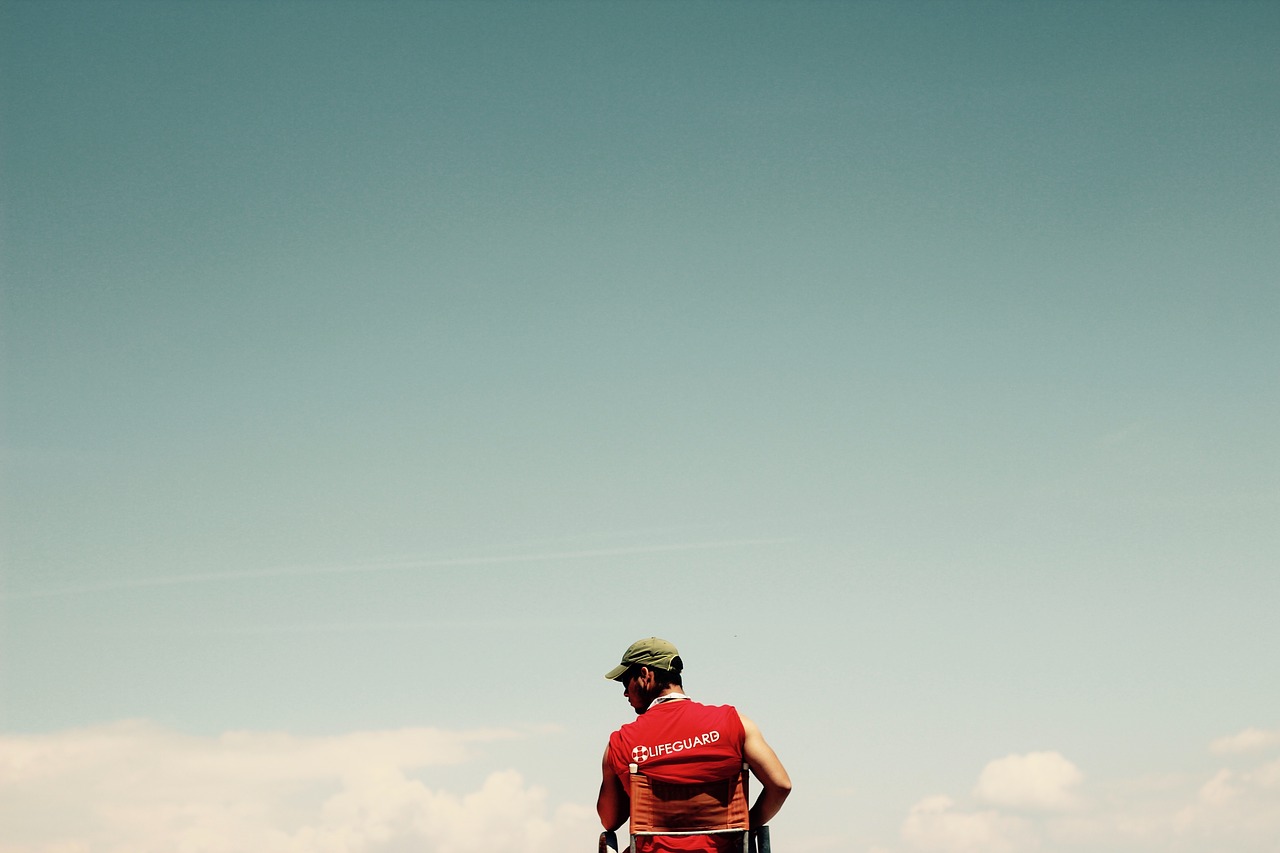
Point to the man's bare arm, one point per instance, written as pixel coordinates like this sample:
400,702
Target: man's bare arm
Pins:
613,805
775,784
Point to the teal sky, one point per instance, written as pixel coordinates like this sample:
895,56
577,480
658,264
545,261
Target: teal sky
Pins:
912,366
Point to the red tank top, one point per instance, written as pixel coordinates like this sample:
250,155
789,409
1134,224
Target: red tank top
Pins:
680,741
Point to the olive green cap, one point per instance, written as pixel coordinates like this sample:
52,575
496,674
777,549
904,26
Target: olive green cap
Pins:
653,652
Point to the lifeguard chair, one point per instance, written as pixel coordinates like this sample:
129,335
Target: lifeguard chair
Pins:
711,808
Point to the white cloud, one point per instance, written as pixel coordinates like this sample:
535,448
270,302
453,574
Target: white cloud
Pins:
1040,781
936,825
139,788
1249,740
1020,805
365,568
1234,806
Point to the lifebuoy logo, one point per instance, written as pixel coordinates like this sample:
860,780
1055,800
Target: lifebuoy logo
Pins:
641,754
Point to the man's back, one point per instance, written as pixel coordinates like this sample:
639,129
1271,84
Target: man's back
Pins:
680,741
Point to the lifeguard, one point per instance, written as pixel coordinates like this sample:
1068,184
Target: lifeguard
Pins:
677,740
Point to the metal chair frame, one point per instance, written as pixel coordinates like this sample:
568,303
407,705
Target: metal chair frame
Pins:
759,841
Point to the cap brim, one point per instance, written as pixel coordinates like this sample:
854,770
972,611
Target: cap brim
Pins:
617,672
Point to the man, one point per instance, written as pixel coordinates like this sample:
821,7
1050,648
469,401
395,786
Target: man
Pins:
675,739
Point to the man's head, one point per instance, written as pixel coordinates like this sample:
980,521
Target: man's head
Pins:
648,669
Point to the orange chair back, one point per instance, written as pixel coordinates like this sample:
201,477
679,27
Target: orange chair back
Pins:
665,808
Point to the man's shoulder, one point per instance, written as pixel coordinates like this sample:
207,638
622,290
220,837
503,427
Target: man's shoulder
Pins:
709,709
669,712
694,703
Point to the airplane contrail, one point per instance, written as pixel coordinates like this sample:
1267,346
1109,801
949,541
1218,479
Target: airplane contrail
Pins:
447,563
